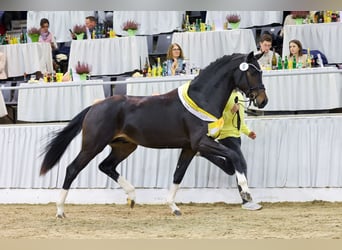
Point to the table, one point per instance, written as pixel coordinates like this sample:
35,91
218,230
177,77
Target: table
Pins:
56,102
3,110
201,48
60,21
155,85
151,22
109,56
27,58
325,37
303,89
248,18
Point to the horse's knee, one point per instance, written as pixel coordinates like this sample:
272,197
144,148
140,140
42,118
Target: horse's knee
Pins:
178,175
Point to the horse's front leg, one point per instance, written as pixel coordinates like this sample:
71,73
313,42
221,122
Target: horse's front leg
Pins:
182,165
233,156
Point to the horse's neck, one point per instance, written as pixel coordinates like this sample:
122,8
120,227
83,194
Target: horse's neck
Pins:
212,93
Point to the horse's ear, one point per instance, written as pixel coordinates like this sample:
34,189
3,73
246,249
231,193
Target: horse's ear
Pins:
250,56
258,56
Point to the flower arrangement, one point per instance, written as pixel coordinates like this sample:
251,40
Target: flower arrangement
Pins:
130,25
233,18
82,68
79,29
33,31
299,14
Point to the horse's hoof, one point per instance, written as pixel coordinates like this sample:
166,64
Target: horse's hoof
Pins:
177,213
130,203
60,216
246,196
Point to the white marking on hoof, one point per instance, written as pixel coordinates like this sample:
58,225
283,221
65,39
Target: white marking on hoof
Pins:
128,188
60,204
242,181
171,199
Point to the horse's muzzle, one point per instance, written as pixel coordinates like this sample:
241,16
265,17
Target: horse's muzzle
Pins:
261,100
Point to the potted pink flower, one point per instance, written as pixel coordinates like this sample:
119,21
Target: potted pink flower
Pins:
34,34
131,27
83,69
233,20
79,31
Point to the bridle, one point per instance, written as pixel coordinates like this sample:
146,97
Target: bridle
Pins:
244,66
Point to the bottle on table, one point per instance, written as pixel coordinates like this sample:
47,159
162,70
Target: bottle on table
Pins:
286,63
70,73
187,23
294,63
274,60
308,59
145,69
280,63
159,67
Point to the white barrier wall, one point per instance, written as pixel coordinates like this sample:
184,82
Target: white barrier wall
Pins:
289,152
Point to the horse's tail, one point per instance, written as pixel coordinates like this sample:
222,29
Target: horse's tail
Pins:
55,149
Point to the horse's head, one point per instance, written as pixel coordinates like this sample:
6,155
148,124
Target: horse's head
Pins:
248,78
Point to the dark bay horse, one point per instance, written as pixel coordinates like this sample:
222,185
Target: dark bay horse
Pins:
180,118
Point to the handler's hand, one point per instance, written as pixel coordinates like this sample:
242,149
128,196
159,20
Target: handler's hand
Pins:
252,135
235,108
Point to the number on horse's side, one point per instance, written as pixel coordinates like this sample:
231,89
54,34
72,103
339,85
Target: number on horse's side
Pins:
163,121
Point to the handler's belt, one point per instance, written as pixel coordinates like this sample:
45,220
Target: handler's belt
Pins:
215,125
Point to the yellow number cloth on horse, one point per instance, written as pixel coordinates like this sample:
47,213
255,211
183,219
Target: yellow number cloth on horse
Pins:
215,125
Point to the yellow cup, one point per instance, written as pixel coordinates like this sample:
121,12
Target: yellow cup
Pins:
59,77
290,64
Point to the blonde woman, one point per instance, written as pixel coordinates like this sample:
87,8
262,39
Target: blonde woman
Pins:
174,59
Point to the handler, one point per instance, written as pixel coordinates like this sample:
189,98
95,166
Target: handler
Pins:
230,136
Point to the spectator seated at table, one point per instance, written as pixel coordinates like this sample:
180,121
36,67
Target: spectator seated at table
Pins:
3,74
174,59
296,51
90,23
265,47
45,35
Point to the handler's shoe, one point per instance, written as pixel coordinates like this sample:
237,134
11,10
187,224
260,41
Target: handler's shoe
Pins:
250,205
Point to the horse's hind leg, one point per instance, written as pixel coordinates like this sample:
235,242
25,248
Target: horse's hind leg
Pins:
73,170
182,165
120,151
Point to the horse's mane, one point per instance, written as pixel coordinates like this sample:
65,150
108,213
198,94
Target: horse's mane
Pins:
210,73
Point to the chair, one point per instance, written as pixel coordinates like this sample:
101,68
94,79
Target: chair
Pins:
11,98
150,46
315,53
274,31
163,43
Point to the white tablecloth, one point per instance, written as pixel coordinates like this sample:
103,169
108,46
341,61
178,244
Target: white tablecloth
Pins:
56,103
248,18
151,22
303,89
60,21
325,37
3,110
155,85
109,56
27,58
201,48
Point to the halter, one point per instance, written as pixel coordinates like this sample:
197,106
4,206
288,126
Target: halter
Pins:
244,66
